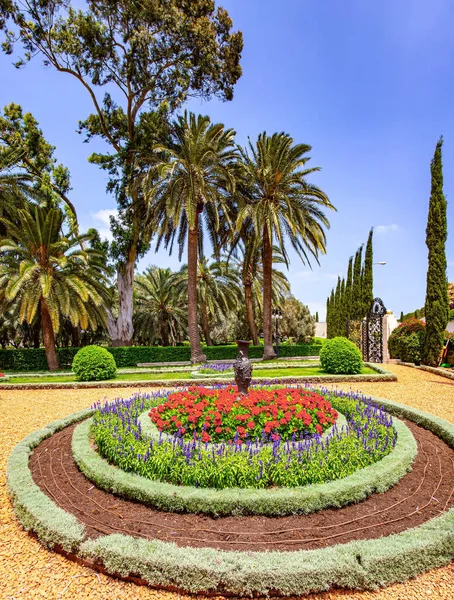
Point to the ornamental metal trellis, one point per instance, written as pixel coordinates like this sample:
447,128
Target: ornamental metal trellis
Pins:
367,333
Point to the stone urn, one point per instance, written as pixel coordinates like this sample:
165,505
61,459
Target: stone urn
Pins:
243,367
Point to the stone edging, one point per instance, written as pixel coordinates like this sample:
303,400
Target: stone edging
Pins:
357,565
434,370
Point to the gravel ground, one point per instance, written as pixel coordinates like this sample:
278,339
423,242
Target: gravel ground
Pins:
29,571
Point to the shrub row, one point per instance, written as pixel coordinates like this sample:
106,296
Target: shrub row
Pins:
34,359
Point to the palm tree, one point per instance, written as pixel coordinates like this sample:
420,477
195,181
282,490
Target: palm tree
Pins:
41,270
160,314
187,190
280,204
218,291
247,260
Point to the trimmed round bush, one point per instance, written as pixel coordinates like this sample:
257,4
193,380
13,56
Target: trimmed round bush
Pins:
341,356
94,363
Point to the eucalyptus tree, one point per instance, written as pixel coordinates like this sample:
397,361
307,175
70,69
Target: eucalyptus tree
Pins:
281,205
160,311
189,191
138,62
42,270
218,292
31,158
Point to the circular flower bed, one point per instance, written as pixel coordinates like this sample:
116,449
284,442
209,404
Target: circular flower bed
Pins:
217,415
368,437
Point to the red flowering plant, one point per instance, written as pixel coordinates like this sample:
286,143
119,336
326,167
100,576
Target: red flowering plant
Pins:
216,415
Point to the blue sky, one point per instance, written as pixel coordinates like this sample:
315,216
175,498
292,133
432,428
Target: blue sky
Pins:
369,85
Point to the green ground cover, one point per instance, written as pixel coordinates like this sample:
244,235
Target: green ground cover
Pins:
178,375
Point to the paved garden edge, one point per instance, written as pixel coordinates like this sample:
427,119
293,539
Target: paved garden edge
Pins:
355,565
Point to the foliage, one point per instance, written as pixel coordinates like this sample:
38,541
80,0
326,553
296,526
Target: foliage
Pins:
160,310
31,155
369,437
406,342
367,278
437,303
94,363
341,356
264,415
297,321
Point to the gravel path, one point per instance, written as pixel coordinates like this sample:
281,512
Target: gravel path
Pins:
29,571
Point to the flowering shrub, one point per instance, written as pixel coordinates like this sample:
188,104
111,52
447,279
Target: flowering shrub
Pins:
368,437
406,342
223,415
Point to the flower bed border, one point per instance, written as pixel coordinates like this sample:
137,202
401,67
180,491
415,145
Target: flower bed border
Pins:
382,375
357,565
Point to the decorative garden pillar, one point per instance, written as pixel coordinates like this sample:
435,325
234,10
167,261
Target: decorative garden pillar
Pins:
243,367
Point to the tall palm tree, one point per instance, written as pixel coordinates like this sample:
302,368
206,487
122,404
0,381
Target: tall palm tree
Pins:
41,270
280,205
189,193
247,260
160,312
218,291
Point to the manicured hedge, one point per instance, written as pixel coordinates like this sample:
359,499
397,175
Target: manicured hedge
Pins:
34,359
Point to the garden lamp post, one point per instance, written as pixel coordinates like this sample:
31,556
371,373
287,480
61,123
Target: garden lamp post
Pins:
277,316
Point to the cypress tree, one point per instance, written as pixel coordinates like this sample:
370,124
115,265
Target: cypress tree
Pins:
331,313
349,291
436,307
401,316
337,305
367,281
356,302
416,314
316,316
343,310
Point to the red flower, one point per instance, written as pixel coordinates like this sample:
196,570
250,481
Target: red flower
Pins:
251,425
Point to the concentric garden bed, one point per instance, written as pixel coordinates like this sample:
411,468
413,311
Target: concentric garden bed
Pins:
396,520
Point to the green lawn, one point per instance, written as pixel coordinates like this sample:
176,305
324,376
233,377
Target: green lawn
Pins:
262,373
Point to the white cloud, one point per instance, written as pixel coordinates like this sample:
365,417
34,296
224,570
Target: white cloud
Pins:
384,229
103,216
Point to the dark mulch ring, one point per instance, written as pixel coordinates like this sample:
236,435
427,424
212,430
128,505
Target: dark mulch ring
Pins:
422,494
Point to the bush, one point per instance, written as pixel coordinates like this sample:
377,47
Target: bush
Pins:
94,363
341,356
34,359
406,342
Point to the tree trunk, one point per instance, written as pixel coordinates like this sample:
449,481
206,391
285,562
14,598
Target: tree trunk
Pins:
197,355
268,353
36,334
121,329
75,338
206,325
49,338
165,331
250,313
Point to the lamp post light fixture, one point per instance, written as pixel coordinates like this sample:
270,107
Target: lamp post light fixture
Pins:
277,316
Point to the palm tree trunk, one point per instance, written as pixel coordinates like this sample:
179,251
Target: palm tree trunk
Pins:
165,331
206,325
197,355
268,352
250,313
49,338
